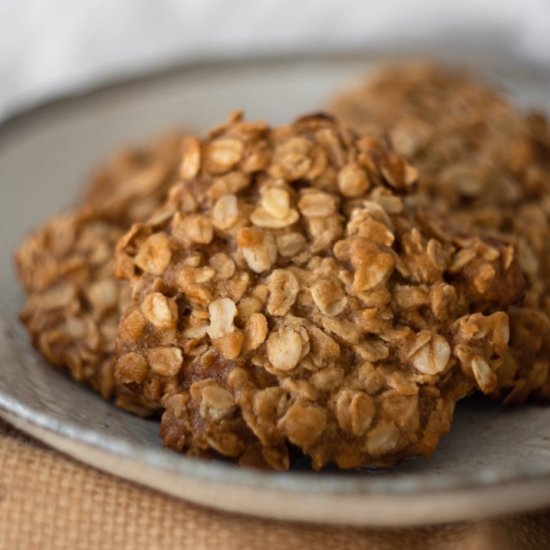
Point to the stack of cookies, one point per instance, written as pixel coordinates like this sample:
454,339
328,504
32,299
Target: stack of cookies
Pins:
329,289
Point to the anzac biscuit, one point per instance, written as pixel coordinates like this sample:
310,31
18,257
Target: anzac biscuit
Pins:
284,297
484,167
67,267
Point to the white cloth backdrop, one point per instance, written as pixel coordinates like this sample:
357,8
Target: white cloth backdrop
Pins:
48,46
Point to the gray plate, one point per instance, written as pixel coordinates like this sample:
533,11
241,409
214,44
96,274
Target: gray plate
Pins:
495,460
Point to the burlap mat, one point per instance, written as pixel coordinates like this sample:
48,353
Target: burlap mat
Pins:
50,501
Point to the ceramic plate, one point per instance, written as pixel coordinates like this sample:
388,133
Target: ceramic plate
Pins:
495,460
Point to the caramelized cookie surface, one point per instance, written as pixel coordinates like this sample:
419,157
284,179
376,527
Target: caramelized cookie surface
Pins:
67,267
485,167
284,296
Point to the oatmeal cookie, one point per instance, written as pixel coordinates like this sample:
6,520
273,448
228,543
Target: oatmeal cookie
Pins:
67,267
485,167
285,298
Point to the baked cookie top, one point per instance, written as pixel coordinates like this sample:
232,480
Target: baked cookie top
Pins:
485,167
67,266
285,297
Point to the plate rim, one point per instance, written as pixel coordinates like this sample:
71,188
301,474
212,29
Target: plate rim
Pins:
370,510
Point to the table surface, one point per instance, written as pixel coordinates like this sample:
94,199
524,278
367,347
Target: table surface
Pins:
48,501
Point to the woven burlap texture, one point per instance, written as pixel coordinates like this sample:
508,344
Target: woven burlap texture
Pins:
50,501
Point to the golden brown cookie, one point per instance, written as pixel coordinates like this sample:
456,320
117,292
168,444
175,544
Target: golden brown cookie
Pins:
483,166
67,267
283,297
